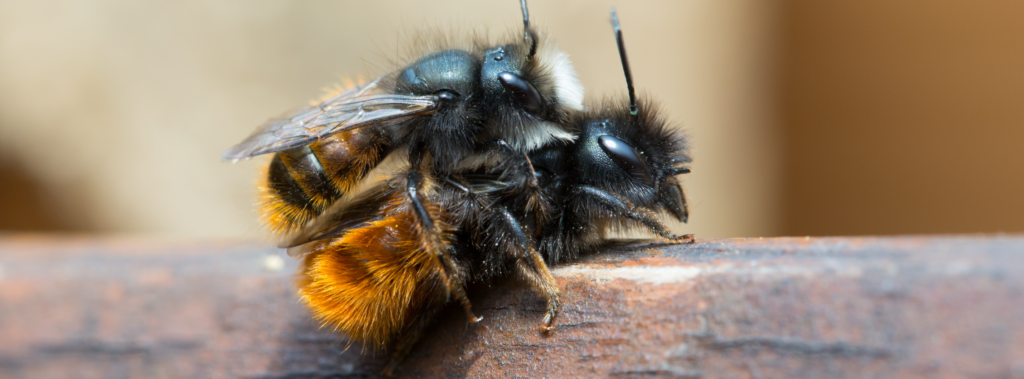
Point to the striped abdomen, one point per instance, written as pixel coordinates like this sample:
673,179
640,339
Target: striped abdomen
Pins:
303,182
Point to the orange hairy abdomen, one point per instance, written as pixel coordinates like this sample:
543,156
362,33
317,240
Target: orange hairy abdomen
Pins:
370,282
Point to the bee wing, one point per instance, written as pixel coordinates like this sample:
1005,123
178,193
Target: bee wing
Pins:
484,182
359,106
341,218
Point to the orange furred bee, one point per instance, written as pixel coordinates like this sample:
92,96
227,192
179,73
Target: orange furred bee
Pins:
368,269
376,262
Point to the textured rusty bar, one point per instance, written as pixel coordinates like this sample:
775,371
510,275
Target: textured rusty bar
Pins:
758,308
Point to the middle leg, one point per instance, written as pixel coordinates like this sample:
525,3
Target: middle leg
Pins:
431,238
511,238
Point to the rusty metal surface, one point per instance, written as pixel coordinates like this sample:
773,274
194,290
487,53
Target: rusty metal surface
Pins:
756,308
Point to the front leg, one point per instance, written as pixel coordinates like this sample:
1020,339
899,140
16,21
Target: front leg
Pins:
517,169
622,207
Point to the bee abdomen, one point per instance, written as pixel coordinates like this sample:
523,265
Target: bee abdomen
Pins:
348,156
373,281
304,182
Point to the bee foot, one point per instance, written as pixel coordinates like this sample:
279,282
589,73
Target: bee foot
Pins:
547,325
685,238
546,328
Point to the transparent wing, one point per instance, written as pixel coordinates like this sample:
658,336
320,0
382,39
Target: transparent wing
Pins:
365,207
359,106
485,183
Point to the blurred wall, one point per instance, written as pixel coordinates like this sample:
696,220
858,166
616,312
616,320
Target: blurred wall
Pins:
903,116
113,113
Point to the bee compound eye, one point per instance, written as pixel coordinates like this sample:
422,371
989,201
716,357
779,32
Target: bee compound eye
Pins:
627,158
523,92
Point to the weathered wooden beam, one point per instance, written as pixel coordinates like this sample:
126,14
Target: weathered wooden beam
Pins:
759,308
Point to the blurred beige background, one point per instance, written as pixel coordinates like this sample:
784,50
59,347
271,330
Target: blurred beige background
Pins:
807,117
114,113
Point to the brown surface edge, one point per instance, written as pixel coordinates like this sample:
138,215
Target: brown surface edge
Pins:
779,307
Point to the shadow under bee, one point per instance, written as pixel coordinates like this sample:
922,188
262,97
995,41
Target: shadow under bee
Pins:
308,351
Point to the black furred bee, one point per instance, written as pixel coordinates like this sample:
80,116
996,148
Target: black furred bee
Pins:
618,174
455,108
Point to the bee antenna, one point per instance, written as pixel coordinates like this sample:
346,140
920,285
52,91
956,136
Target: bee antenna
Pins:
528,34
526,17
625,62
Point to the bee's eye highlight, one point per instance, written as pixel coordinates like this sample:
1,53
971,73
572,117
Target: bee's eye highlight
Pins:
447,95
522,91
627,158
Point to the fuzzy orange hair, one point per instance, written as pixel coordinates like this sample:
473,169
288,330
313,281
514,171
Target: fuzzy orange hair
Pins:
371,282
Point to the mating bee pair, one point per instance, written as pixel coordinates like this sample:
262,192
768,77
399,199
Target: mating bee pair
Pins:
506,173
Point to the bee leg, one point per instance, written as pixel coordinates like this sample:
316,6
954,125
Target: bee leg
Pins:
674,200
467,205
507,233
625,208
534,270
430,237
524,178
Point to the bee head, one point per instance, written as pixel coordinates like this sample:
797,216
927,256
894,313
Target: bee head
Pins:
529,86
629,150
635,157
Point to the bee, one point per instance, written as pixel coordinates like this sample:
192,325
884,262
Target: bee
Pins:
460,105
364,260
619,174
